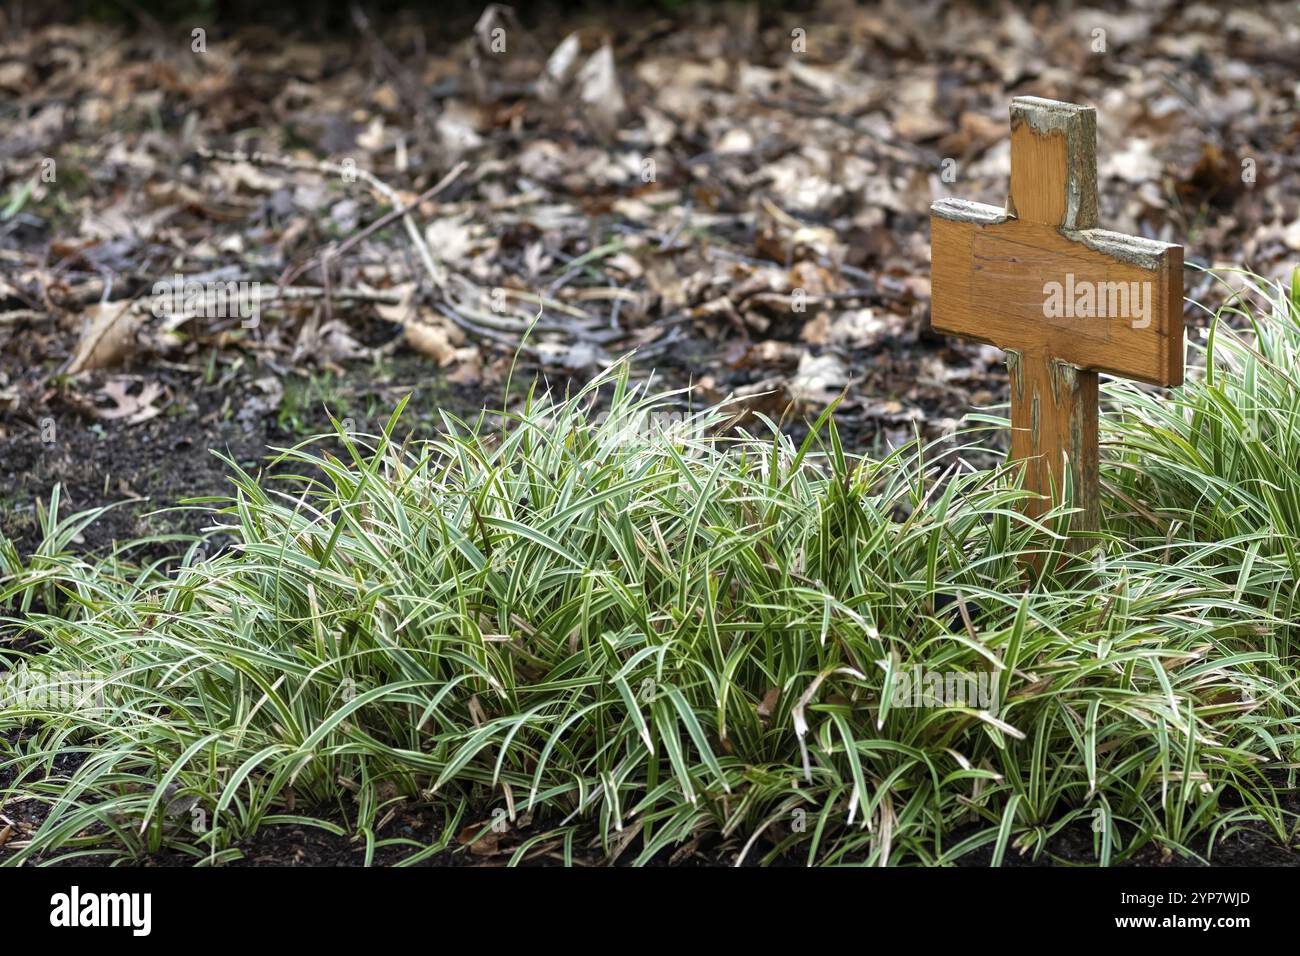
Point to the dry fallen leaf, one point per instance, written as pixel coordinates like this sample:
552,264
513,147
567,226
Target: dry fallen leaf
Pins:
398,311
1291,235
559,68
1135,163
451,236
457,129
599,90
577,357
133,409
437,340
488,844
108,338
235,175
819,380
467,372
335,344
430,340
266,399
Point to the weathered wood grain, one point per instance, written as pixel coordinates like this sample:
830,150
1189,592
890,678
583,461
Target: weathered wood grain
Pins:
1065,299
988,283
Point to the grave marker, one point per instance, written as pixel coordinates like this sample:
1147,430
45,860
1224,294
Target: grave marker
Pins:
1064,299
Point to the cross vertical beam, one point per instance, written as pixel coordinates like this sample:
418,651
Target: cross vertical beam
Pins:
1053,163
1054,432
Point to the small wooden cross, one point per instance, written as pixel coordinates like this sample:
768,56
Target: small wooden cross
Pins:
1064,299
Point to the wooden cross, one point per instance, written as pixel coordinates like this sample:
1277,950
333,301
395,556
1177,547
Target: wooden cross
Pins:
1064,299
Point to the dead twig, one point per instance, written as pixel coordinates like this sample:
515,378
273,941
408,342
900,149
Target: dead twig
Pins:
437,273
382,222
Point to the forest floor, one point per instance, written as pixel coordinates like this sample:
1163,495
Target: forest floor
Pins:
670,201
740,199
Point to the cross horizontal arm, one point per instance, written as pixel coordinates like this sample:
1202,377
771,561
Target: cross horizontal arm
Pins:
1092,298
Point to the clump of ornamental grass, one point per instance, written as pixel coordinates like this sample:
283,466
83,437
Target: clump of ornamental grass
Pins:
638,632
1217,461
